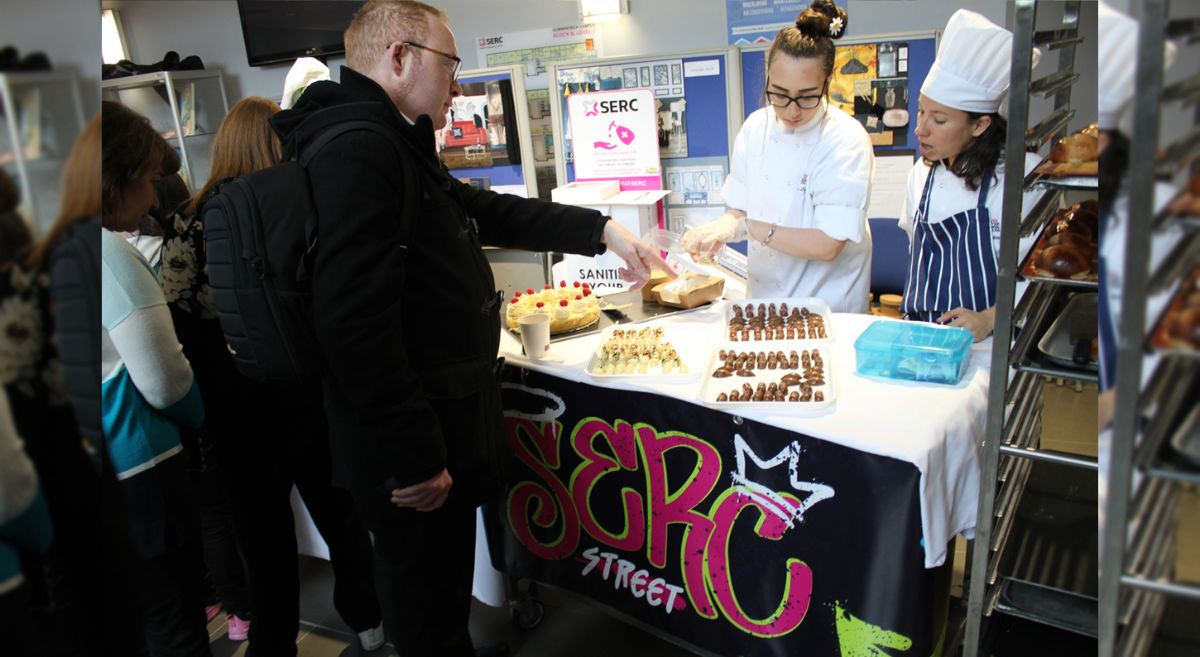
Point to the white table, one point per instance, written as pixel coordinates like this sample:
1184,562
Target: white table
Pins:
937,428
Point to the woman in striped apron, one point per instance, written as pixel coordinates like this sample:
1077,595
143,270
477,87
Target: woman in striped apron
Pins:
955,191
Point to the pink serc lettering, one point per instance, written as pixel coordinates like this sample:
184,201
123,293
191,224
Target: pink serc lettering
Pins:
595,466
548,505
797,589
678,506
609,448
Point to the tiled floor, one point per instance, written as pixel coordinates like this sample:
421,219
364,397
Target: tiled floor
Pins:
569,627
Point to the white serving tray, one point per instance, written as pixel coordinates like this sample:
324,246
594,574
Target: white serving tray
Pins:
714,386
815,305
689,344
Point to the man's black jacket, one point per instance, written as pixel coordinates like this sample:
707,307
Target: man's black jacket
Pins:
405,306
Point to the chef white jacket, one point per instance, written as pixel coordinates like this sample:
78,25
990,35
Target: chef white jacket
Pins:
818,176
950,195
1112,249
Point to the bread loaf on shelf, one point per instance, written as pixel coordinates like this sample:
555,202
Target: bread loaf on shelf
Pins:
1064,261
1079,147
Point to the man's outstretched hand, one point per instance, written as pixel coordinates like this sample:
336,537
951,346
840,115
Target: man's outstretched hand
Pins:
640,257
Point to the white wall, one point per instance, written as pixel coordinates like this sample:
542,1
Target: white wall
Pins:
208,28
67,31
211,29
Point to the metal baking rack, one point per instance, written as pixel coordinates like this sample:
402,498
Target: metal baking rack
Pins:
1036,180
1137,582
1010,571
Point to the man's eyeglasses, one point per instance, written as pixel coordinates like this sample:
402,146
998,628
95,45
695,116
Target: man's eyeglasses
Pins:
781,101
455,60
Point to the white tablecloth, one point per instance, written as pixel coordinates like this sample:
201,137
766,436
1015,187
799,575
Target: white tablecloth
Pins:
937,428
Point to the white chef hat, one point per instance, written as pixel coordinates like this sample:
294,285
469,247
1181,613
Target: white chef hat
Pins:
1118,40
304,72
972,67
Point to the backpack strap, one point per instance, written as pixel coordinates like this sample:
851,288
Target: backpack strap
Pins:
310,151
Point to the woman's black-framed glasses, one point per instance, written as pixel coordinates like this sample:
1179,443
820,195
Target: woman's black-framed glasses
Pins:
453,58
781,101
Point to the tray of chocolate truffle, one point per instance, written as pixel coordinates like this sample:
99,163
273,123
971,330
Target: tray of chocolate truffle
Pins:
1178,328
1072,161
644,353
788,377
766,320
1067,252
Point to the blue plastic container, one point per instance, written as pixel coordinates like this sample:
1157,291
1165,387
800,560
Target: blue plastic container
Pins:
913,351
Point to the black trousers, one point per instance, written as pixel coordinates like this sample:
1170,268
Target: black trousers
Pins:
83,595
262,458
222,555
16,623
173,594
424,568
172,577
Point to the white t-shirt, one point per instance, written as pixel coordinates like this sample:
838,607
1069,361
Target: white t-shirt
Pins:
818,176
951,196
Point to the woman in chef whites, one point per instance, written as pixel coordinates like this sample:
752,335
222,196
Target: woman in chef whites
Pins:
953,205
1117,38
799,178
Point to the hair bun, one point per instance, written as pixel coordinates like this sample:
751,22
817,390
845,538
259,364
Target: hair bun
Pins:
822,19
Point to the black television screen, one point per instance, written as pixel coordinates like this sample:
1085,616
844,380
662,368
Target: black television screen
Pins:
277,31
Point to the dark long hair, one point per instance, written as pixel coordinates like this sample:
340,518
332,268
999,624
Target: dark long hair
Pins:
983,154
1114,161
130,149
811,36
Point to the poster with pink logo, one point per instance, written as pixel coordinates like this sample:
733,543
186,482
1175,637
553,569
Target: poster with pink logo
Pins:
615,138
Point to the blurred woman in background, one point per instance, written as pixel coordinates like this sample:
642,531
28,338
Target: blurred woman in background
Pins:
148,393
266,437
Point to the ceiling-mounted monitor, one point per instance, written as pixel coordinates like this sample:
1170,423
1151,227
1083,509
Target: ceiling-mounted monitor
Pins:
279,31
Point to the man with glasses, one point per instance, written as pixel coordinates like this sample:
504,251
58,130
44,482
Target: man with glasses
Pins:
407,314
799,179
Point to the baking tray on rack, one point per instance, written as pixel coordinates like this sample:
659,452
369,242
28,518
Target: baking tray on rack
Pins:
1055,174
714,386
1184,443
1161,337
1056,345
1033,359
1184,209
1028,272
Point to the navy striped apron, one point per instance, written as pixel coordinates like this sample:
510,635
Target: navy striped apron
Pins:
952,263
1106,321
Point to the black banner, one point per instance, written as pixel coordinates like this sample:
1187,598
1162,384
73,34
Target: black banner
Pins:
736,537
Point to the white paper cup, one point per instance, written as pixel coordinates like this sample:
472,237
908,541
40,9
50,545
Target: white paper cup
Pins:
535,334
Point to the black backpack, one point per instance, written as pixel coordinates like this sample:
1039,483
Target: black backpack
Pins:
260,234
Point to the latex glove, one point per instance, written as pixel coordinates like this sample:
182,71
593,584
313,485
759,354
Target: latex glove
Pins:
640,256
428,495
706,240
980,323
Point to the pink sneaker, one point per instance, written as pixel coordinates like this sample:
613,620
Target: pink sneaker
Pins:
211,611
239,629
